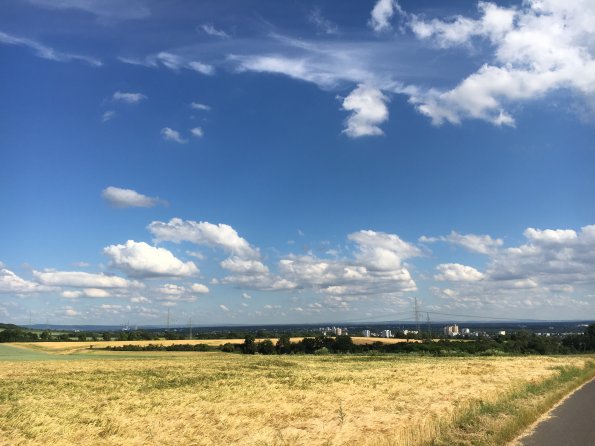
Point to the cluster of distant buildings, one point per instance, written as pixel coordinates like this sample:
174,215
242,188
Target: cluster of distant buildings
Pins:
453,331
382,334
337,331
450,331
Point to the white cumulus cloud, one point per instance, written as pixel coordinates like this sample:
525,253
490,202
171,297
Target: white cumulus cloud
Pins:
239,265
455,272
199,288
368,109
10,283
375,270
123,198
382,14
197,132
482,244
80,279
203,233
86,292
138,259
172,135
538,48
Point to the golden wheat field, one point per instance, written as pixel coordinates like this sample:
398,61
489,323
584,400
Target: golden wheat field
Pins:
70,346
225,399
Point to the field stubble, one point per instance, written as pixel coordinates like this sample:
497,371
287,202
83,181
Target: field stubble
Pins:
222,399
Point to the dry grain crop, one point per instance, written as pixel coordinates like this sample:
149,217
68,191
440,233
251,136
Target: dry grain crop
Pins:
73,346
223,399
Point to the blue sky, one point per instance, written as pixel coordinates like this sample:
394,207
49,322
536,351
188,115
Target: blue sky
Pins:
280,162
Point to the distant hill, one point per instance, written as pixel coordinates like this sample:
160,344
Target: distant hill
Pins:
7,326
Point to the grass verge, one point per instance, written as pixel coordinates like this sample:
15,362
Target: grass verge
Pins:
500,422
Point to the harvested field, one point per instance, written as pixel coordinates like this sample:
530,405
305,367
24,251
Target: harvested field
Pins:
222,399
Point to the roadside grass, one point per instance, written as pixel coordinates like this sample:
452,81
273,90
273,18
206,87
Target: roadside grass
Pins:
502,421
222,399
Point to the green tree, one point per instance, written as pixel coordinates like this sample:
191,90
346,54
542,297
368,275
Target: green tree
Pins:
266,347
283,345
228,347
344,344
249,345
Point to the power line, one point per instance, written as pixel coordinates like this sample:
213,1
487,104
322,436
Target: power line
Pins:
411,318
489,317
362,319
416,315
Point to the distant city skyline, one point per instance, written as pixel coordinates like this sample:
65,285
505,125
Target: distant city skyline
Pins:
263,162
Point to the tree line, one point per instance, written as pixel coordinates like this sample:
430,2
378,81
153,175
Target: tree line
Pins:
518,343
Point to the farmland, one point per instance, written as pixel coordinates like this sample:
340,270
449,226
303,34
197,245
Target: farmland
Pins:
73,346
217,398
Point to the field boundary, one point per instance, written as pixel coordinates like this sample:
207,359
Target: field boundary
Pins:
504,421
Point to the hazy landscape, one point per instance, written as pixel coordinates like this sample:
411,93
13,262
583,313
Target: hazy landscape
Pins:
297,223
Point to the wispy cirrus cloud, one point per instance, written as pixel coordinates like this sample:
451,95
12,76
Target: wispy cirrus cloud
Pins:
104,9
199,106
212,31
128,98
108,116
529,52
174,62
323,24
46,52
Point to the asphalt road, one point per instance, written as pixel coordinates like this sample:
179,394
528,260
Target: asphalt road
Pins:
571,424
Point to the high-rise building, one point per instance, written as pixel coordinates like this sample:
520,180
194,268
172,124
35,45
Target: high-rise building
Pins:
451,330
